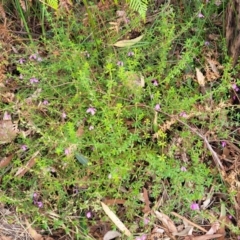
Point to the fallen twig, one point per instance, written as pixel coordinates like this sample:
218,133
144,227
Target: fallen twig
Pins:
188,221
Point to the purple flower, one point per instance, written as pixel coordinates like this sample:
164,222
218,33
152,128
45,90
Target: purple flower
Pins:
88,214
24,147
230,217
33,80
67,151
223,143
39,59
35,196
143,237
146,221
91,110
120,63
21,60
91,128
39,204
7,116
183,114
200,15
183,169
194,206
207,43
157,107
155,82
20,76
130,54
33,56
75,190
45,102
235,87
64,115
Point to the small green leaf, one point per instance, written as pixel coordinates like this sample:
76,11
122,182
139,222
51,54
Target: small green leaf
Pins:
81,159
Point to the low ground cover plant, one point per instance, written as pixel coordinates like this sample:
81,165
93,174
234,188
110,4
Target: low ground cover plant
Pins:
111,107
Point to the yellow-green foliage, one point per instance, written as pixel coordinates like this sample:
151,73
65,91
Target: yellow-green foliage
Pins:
140,6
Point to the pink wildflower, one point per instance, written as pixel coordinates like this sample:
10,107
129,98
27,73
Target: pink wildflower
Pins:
45,102
91,128
235,87
33,80
146,221
21,60
223,143
67,151
130,54
157,107
120,63
91,110
89,215
24,147
183,169
183,114
155,82
194,206
64,115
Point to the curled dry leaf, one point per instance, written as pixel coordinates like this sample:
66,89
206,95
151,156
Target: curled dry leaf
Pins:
111,235
187,231
80,131
8,131
116,220
21,171
146,201
200,78
5,161
128,43
167,222
214,228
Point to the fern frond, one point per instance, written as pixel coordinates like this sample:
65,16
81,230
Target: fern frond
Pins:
51,3
139,6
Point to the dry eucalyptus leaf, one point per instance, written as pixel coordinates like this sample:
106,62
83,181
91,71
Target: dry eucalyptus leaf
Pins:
33,232
22,170
128,43
215,226
111,235
80,131
116,220
207,237
2,237
206,203
166,221
8,131
5,161
187,231
200,78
